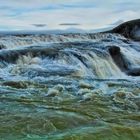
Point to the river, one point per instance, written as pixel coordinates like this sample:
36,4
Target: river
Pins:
69,86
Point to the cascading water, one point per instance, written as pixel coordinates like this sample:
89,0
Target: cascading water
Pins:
69,86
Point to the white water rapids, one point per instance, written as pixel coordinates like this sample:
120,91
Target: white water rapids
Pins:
69,86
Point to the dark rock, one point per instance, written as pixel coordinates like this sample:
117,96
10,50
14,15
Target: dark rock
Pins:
134,72
13,84
130,29
2,46
118,58
12,55
121,62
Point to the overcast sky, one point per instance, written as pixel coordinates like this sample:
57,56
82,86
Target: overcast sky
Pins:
63,14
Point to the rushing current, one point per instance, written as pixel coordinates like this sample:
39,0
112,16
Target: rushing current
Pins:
70,86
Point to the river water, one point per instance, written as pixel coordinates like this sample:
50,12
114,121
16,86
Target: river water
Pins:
68,86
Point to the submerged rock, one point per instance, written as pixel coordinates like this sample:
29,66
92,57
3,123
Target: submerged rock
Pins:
83,84
52,93
59,87
134,72
17,85
56,90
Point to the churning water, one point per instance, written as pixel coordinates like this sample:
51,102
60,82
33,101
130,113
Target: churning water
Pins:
69,86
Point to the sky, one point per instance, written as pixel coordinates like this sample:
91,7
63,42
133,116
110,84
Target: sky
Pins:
66,14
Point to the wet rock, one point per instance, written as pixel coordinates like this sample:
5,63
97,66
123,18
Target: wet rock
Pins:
134,72
121,62
2,46
56,90
13,84
114,50
83,91
118,58
59,87
87,96
52,93
122,96
85,85
36,51
130,29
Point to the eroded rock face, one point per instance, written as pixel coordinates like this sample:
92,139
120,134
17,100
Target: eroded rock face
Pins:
121,62
130,29
118,58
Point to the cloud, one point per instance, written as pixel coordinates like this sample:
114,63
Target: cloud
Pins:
89,14
39,25
69,24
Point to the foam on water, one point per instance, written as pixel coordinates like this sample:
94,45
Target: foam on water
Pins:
132,55
68,86
17,41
